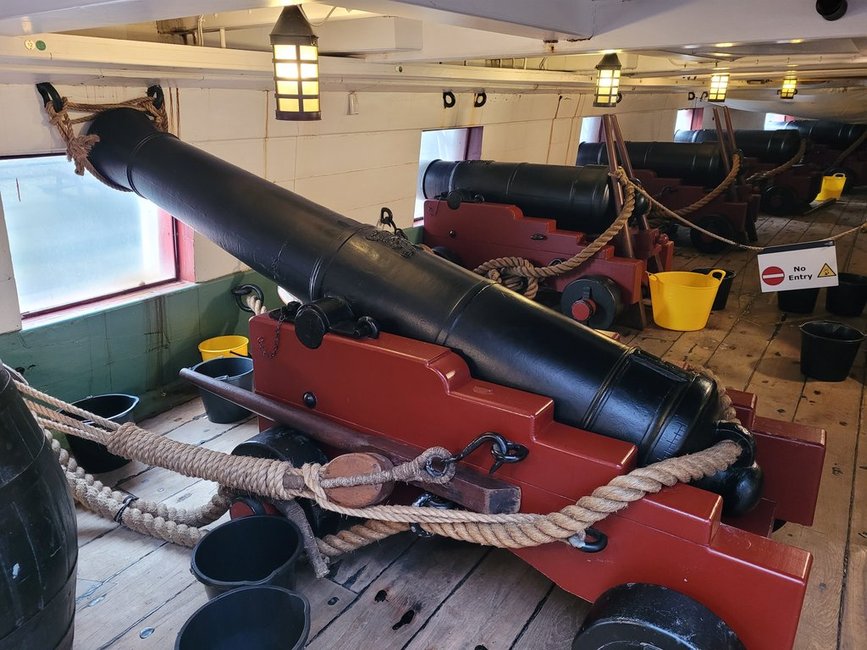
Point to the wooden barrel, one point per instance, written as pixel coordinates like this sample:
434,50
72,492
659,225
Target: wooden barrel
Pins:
38,544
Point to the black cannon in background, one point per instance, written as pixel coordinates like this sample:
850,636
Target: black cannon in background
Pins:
788,192
828,141
679,174
479,210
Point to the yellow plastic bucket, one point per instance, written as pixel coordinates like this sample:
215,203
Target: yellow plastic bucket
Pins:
682,300
832,187
223,346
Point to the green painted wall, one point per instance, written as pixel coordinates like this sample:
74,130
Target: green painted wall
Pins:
136,348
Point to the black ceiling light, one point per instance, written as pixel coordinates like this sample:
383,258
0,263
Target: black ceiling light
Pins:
790,87
831,9
607,81
296,66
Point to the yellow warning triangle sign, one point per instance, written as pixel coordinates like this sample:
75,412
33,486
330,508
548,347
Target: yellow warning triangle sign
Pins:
826,272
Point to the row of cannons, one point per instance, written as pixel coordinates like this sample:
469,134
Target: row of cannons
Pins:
477,211
394,350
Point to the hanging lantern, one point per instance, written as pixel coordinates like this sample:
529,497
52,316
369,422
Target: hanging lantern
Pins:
719,84
296,66
790,87
607,81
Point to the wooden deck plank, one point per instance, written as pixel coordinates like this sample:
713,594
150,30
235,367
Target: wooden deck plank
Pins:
504,591
396,605
555,624
853,623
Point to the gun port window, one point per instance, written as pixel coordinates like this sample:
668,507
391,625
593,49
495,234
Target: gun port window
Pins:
74,240
445,144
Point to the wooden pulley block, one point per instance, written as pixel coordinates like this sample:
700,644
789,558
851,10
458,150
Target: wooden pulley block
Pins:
353,464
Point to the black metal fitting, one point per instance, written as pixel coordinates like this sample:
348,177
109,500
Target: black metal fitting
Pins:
449,99
480,99
245,290
49,94
316,319
155,92
428,500
593,540
502,449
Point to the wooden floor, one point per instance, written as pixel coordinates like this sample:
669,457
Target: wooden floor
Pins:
135,592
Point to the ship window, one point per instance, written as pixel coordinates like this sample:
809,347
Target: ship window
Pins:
445,144
591,130
74,240
774,121
689,119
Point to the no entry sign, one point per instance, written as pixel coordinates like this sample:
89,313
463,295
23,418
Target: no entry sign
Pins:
798,266
773,275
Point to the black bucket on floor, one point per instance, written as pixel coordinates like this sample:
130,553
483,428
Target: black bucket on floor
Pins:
828,349
797,301
38,543
257,550
722,293
849,297
92,456
263,617
237,371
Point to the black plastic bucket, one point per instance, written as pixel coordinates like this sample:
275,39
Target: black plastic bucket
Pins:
828,349
257,550
92,456
849,297
722,293
237,371
797,301
38,543
263,617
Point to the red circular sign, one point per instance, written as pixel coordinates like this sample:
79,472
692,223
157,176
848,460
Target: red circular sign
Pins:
773,275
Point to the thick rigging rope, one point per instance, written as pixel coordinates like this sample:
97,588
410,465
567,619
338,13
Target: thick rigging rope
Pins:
714,193
279,481
513,272
758,177
78,146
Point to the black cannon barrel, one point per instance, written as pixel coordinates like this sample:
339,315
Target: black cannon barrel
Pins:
777,146
838,135
695,164
578,198
313,252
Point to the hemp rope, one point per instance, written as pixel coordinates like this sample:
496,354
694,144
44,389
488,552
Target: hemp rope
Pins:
671,214
758,177
266,477
78,146
256,305
511,271
713,194
848,150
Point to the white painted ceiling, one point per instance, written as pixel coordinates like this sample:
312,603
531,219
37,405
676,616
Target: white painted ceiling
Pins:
665,45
